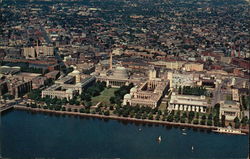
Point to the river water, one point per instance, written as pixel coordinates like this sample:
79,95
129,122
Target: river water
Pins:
28,135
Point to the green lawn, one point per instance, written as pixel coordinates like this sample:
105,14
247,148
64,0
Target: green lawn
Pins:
104,97
162,106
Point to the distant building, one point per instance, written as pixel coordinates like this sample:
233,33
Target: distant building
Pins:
193,67
38,51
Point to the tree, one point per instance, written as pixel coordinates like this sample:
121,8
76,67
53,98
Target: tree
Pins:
237,122
170,117
58,107
183,120
197,115
82,110
177,116
159,112
138,116
223,120
210,116
196,121
112,100
106,113
144,116
216,120
150,117
157,117
209,122
190,116
244,121
131,114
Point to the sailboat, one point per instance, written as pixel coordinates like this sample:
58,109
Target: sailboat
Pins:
159,139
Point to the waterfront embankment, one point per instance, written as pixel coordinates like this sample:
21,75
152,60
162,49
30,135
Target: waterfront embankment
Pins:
122,118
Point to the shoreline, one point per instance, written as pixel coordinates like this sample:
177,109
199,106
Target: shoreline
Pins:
126,119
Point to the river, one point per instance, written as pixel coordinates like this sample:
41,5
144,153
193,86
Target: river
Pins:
27,135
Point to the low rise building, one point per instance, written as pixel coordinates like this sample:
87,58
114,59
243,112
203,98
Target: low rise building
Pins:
115,77
188,103
230,109
148,93
193,67
68,86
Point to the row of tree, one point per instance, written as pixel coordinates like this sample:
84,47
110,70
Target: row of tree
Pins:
188,90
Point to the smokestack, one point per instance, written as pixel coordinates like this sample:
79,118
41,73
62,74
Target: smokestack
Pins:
110,61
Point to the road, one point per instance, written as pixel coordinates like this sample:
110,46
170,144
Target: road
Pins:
10,105
216,95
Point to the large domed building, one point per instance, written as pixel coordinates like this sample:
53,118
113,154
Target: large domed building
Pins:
115,77
120,73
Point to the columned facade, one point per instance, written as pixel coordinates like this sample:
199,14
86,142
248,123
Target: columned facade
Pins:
187,107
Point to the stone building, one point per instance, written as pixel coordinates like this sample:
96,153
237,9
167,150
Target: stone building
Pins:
18,88
116,77
38,51
231,110
193,67
148,93
68,86
188,103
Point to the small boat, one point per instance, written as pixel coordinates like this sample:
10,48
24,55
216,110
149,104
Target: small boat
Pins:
159,139
183,129
139,129
184,133
192,148
229,131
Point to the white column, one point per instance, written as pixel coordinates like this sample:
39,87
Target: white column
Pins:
185,107
193,108
197,109
176,107
202,110
181,107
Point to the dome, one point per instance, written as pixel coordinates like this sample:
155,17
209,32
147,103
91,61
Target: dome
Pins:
132,90
127,96
120,73
76,72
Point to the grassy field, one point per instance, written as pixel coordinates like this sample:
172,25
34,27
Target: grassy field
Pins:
105,96
162,106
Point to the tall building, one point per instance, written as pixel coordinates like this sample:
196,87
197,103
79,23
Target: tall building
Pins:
38,51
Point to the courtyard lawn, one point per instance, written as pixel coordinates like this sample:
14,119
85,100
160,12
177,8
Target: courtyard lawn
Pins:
104,96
